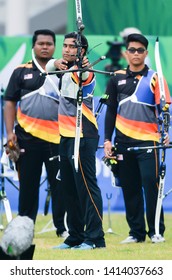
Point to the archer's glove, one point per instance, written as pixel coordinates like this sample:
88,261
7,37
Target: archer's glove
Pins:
112,163
13,151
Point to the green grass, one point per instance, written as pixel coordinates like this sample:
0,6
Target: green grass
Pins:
114,250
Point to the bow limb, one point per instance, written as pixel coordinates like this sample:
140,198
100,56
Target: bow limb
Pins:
80,28
160,74
80,24
78,123
162,131
77,135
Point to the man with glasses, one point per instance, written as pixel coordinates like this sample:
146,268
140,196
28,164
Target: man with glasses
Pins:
124,35
132,109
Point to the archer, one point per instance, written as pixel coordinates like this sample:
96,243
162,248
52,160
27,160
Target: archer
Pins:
82,194
134,96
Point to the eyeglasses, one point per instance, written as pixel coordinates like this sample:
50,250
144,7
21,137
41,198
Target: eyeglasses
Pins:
139,50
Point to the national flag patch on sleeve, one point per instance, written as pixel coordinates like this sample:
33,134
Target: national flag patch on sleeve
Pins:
28,76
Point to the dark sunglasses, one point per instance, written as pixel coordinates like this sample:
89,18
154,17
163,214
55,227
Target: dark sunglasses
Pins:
139,50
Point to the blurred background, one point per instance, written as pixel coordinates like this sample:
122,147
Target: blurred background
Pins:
22,17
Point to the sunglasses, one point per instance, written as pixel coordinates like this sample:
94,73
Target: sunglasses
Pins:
139,50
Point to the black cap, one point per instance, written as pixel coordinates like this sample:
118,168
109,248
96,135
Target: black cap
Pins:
135,37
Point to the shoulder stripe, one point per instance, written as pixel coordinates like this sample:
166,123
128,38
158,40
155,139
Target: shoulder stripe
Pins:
122,71
25,65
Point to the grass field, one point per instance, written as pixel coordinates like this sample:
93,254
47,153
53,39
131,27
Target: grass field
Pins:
114,250
44,242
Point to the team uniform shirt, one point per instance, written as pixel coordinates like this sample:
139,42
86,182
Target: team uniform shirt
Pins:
133,101
68,106
38,102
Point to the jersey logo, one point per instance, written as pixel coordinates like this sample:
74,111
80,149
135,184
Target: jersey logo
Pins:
122,82
149,151
28,76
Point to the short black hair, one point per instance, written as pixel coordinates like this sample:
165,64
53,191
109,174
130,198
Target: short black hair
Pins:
135,37
74,35
43,32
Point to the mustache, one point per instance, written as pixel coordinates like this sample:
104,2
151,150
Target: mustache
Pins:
72,55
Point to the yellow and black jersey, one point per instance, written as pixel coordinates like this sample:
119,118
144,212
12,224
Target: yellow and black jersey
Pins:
132,105
68,106
38,103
